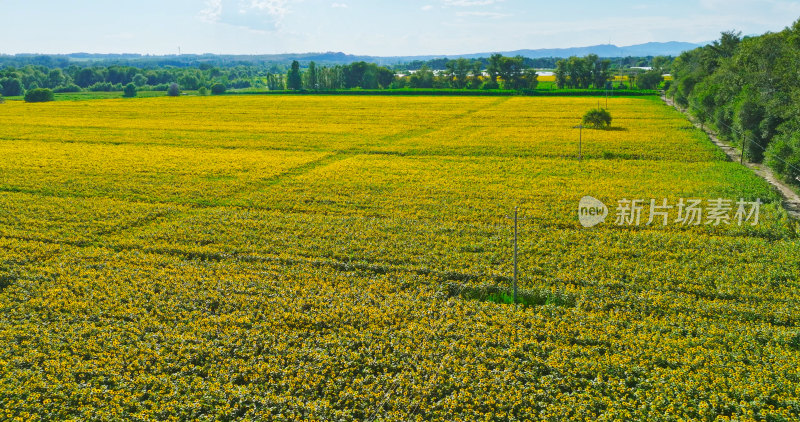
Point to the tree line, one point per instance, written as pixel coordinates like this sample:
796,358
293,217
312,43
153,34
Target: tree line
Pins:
18,80
494,72
746,88
591,71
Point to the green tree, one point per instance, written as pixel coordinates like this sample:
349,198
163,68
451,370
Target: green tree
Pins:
477,75
580,72
493,68
129,91
293,79
598,118
189,82
422,78
385,77
11,87
88,76
313,79
562,74
139,80
661,64
55,78
459,70
217,89
510,70
173,90
601,73
39,95
649,80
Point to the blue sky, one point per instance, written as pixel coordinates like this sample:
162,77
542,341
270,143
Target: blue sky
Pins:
374,27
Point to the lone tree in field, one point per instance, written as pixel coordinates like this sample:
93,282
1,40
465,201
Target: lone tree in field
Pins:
173,90
218,89
39,95
599,118
129,91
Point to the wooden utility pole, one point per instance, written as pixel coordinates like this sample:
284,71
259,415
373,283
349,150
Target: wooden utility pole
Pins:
580,141
741,159
516,253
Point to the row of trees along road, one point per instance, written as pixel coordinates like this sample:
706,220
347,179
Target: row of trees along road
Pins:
748,90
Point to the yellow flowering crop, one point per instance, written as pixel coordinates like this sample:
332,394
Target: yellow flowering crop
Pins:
306,258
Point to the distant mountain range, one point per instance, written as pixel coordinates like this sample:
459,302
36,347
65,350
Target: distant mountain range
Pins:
672,48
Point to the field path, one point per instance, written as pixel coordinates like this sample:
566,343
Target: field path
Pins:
791,200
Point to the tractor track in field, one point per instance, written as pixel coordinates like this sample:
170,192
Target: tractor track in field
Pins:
791,200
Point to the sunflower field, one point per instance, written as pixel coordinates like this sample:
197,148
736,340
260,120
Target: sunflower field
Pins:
350,258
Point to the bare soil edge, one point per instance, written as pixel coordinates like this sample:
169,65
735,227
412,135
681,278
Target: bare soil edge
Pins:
791,200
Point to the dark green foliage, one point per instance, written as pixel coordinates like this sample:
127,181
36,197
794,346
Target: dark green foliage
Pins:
189,82
218,89
490,85
102,87
794,342
293,79
311,77
464,92
11,87
173,90
39,95
422,78
598,118
88,76
577,72
513,72
129,91
139,80
748,90
649,80
68,88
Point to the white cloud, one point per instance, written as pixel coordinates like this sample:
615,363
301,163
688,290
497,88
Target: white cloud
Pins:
427,7
257,15
339,5
212,12
493,15
276,8
467,3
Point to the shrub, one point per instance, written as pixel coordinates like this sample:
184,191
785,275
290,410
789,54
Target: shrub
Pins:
173,90
101,87
39,95
129,91
218,89
202,91
68,88
598,118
